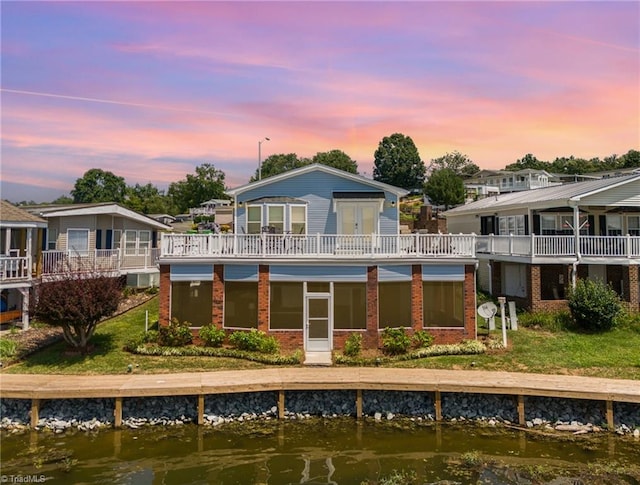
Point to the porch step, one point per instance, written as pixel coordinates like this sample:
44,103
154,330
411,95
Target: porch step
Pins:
318,358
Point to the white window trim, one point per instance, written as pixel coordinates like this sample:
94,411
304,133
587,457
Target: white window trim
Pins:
306,219
246,216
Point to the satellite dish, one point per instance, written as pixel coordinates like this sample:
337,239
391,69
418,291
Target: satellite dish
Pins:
487,310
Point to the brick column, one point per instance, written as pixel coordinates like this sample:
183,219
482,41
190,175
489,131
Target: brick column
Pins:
416,297
533,274
164,315
217,299
263,298
470,327
371,338
634,287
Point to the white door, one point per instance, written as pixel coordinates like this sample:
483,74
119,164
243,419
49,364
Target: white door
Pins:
358,218
318,327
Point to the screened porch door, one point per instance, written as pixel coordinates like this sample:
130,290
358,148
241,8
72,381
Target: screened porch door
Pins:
318,328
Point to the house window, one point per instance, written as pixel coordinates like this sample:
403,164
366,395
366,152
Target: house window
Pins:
78,242
552,282
275,217
443,303
633,224
254,219
350,306
191,302
511,225
286,306
394,304
241,304
614,225
137,243
298,217
117,239
52,238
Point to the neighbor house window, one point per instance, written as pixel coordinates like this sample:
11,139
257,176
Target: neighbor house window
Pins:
511,225
350,306
394,304
78,242
191,301
552,282
286,306
254,219
633,223
137,243
614,225
443,303
52,238
298,216
117,239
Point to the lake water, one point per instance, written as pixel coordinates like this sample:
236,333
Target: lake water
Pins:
316,451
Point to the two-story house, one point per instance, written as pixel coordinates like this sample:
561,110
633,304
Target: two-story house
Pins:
533,245
316,255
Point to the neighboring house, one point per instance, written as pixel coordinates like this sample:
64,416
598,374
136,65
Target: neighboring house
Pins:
533,245
21,235
166,219
508,181
209,208
101,238
316,255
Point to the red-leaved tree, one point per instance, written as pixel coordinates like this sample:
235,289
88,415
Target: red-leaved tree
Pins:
76,303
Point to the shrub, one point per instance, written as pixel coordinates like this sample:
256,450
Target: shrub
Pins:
422,339
594,306
395,341
176,334
255,341
212,336
150,337
353,345
551,321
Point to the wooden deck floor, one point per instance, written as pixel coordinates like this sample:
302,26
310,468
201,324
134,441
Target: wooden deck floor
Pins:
42,387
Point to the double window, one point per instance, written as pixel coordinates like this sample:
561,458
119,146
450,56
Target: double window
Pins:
137,243
511,225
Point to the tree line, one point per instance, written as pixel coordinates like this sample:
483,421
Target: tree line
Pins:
396,162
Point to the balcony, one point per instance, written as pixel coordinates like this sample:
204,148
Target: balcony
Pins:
309,247
14,269
560,246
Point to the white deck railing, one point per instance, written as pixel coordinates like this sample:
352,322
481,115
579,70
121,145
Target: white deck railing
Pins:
14,268
112,261
315,245
591,246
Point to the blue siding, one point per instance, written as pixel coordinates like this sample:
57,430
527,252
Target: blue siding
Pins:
236,272
318,273
191,272
317,189
394,273
443,272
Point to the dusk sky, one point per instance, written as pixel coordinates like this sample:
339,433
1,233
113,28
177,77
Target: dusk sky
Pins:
150,90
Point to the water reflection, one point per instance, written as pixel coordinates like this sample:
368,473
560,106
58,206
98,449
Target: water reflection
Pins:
317,452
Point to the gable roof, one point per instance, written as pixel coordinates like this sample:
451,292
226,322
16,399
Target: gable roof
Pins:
12,216
547,197
102,208
318,167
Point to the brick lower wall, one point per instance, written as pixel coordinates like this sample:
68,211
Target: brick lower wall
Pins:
371,335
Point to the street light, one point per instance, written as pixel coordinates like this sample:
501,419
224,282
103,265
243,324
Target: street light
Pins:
260,157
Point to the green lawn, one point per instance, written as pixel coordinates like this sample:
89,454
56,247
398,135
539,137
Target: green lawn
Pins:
614,354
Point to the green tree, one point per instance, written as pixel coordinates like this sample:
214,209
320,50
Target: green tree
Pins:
397,162
461,164
63,200
528,161
631,159
96,185
336,159
148,199
76,303
279,163
207,183
445,187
